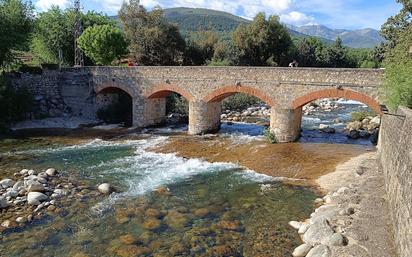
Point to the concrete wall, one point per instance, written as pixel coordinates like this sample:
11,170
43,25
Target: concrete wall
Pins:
395,151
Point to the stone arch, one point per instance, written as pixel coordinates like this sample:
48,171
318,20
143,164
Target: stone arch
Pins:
221,93
338,93
162,91
111,85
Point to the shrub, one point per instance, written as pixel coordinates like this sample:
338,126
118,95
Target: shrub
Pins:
175,103
270,136
14,104
239,102
360,116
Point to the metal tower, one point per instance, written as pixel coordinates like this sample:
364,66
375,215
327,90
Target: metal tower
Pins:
78,30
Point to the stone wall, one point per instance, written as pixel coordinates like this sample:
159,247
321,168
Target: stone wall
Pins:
395,151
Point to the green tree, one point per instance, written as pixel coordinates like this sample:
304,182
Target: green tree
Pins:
311,52
264,42
103,44
336,56
394,26
55,31
16,20
398,71
153,41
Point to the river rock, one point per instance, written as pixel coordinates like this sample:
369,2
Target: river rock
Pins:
335,240
6,183
105,188
301,250
34,198
303,228
11,193
328,130
355,125
34,186
376,120
3,202
295,224
354,134
318,231
19,185
32,172
21,220
24,172
319,251
51,172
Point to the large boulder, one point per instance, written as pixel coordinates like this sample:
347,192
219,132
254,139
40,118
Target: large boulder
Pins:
51,172
34,186
34,198
3,203
355,125
318,231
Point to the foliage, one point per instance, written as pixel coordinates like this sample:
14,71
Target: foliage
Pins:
54,31
398,64
153,41
264,42
175,103
14,104
360,116
270,135
239,101
117,112
394,26
103,44
16,20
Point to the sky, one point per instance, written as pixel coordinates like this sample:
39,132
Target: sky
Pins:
337,14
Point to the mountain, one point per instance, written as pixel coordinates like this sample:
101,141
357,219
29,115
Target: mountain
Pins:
361,38
195,19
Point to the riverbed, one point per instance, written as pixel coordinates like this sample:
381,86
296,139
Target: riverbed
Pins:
230,194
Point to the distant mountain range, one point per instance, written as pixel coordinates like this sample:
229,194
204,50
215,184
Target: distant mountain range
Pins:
195,19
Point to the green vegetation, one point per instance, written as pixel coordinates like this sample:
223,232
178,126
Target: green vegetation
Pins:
54,31
360,116
239,102
176,103
270,136
14,104
153,41
16,22
398,62
103,44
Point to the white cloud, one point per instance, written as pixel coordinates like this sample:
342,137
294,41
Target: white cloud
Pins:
297,18
46,4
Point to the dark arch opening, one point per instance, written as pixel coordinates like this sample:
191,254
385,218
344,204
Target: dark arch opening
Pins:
115,106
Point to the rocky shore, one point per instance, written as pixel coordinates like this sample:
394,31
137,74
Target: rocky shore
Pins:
352,218
32,195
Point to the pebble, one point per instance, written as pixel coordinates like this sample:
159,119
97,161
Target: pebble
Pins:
105,188
319,251
51,172
301,250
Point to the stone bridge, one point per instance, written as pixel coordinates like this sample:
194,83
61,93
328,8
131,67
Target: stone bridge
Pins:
286,90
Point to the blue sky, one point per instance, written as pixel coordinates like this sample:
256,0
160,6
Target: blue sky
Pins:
346,14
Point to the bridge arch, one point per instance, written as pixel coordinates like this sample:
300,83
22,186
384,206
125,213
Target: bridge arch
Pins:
337,93
162,91
221,93
110,86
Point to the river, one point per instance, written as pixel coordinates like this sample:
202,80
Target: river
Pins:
230,194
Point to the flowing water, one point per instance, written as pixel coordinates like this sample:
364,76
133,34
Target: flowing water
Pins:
177,195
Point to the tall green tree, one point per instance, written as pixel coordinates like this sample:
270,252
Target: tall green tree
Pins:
153,41
55,31
264,42
16,20
336,56
103,44
395,25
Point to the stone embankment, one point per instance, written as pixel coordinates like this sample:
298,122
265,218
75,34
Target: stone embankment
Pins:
31,195
352,218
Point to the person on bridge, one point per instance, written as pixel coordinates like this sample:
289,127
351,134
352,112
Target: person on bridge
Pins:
294,64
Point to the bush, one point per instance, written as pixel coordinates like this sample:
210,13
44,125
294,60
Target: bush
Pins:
360,116
30,69
175,103
270,136
14,104
239,102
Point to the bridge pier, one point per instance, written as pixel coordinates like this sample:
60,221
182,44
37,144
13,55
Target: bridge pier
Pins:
204,117
154,111
285,123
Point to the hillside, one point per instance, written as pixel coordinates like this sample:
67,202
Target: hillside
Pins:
362,38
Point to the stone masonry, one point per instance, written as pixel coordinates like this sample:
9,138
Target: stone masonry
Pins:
286,90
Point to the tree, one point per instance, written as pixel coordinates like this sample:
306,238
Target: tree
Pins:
311,52
392,28
263,42
398,67
16,20
153,41
336,56
103,44
55,31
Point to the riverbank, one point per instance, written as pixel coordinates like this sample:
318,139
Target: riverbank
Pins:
353,219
